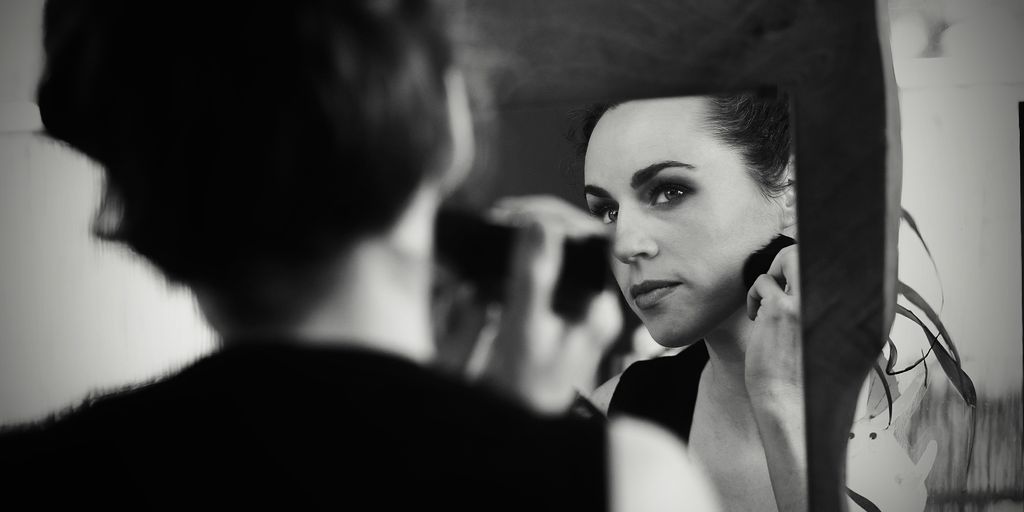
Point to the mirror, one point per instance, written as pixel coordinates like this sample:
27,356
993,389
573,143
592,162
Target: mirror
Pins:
688,189
848,205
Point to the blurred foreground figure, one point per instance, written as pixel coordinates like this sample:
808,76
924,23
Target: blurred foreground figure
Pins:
285,160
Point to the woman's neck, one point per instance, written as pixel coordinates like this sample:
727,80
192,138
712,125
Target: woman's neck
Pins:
723,380
382,303
379,296
382,299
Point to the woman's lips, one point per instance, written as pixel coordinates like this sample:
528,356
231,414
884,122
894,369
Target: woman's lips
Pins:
648,293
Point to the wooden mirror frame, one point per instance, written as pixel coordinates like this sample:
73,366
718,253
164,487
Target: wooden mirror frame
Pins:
833,58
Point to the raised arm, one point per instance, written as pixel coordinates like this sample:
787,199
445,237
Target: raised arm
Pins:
774,378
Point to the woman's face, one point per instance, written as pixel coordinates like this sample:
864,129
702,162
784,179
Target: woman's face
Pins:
685,214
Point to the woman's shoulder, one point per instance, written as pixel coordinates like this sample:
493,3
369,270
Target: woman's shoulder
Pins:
679,365
662,389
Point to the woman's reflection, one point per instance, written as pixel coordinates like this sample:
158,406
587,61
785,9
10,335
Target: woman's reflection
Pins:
690,188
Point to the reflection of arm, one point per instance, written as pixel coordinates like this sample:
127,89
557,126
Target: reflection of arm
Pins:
650,470
781,424
773,372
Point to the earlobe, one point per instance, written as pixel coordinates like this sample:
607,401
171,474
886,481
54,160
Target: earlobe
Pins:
788,203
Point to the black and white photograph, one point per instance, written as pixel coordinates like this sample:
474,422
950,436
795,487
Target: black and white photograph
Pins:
559,255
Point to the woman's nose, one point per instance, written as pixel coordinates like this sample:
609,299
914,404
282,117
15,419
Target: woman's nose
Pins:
630,242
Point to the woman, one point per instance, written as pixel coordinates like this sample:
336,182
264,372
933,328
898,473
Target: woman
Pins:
689,188
285,161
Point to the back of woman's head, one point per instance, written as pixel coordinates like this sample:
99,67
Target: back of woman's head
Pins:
243,135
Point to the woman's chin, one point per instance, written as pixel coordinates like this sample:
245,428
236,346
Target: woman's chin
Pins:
679,344
679,324
671,336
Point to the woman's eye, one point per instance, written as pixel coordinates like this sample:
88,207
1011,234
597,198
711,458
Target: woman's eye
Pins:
667,194
609,215
606,214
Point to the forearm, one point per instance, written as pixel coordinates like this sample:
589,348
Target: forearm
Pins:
780,421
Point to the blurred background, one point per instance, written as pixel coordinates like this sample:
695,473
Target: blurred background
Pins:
960,70
79,316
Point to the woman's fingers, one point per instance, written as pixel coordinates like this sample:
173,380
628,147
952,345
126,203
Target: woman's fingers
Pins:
548,209
785,268
536,261
783,272
767,293
764,286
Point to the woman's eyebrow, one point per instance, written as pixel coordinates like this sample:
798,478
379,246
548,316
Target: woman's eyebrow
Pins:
596,191
647,173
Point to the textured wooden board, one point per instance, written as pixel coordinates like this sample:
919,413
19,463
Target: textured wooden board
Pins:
830,57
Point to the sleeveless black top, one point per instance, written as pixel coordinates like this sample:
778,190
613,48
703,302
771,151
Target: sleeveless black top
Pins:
284,427
662,390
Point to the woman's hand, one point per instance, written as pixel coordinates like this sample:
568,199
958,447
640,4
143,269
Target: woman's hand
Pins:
539,356
774,377
774,362
549,210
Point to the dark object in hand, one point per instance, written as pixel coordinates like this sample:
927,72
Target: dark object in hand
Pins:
481,252
759,262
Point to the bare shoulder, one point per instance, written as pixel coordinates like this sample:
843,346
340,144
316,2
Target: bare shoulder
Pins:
650,470
602,396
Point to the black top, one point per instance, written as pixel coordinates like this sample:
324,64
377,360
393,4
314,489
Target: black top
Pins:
662,390
275,426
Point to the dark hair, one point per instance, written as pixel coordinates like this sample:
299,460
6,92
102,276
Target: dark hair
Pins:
240,135
756,123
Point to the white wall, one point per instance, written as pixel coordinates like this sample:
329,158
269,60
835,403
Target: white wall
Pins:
961,181
75,314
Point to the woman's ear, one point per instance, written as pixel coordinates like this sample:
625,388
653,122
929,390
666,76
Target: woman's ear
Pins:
788,203
460,126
